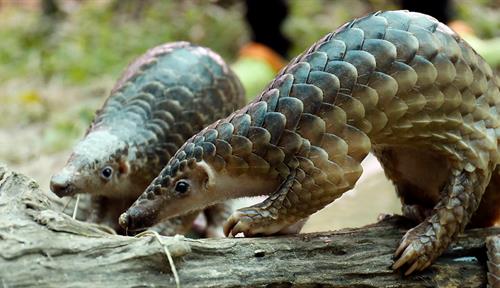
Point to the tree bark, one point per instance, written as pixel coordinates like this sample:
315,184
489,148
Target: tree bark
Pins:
40,246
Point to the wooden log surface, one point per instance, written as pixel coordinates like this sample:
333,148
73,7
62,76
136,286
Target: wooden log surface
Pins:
42,247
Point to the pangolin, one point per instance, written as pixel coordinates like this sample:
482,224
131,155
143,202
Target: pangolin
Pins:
163,98
397,83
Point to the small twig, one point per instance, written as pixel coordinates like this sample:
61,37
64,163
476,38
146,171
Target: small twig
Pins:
67,203
76,206
167,252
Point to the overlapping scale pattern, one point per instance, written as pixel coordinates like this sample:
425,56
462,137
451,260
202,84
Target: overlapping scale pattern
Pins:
388,78
392,78
165,97
162,99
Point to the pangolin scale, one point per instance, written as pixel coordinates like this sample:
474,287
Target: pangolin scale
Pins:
397,83
162,99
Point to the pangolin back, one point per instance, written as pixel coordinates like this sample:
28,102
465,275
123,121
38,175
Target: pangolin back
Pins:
165,97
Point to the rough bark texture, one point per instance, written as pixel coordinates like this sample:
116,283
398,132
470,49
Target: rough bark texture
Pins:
40,246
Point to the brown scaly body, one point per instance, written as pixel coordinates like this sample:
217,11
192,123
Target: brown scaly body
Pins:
162,99
397,83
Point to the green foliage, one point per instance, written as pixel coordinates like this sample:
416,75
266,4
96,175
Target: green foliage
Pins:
482,15
96,41
254,74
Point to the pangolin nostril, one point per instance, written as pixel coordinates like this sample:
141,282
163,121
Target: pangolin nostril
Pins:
59,187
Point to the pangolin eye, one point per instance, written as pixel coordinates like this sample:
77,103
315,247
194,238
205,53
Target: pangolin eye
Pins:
181,187
106,173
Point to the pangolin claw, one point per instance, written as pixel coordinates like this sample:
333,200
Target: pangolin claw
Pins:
254,222
123,220
413,253
238,222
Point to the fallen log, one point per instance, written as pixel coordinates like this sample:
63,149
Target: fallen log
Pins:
40,246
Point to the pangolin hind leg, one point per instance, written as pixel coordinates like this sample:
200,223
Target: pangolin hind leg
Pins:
417,185
425,242
441,197
493,252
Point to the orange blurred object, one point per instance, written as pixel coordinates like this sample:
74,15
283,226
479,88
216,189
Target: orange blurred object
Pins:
462,28
259,51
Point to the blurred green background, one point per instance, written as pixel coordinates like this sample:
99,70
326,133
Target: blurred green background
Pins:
58,64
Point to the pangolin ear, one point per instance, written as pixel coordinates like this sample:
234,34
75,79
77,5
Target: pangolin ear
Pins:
205,175
123,167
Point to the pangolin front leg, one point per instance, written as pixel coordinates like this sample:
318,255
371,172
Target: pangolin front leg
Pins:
269,216
310,185
422,244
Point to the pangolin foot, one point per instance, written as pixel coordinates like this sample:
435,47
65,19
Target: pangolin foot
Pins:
416,250
252,222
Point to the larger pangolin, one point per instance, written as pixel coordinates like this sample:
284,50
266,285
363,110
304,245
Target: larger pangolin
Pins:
163,98
397,83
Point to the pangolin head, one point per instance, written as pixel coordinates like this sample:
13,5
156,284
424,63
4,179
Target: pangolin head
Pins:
184,185
98,166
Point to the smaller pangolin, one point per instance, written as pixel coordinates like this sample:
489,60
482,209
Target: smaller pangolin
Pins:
397,83
163,98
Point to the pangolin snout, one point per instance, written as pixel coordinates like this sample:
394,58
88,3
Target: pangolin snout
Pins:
131,220
59,184
124,220
136,219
